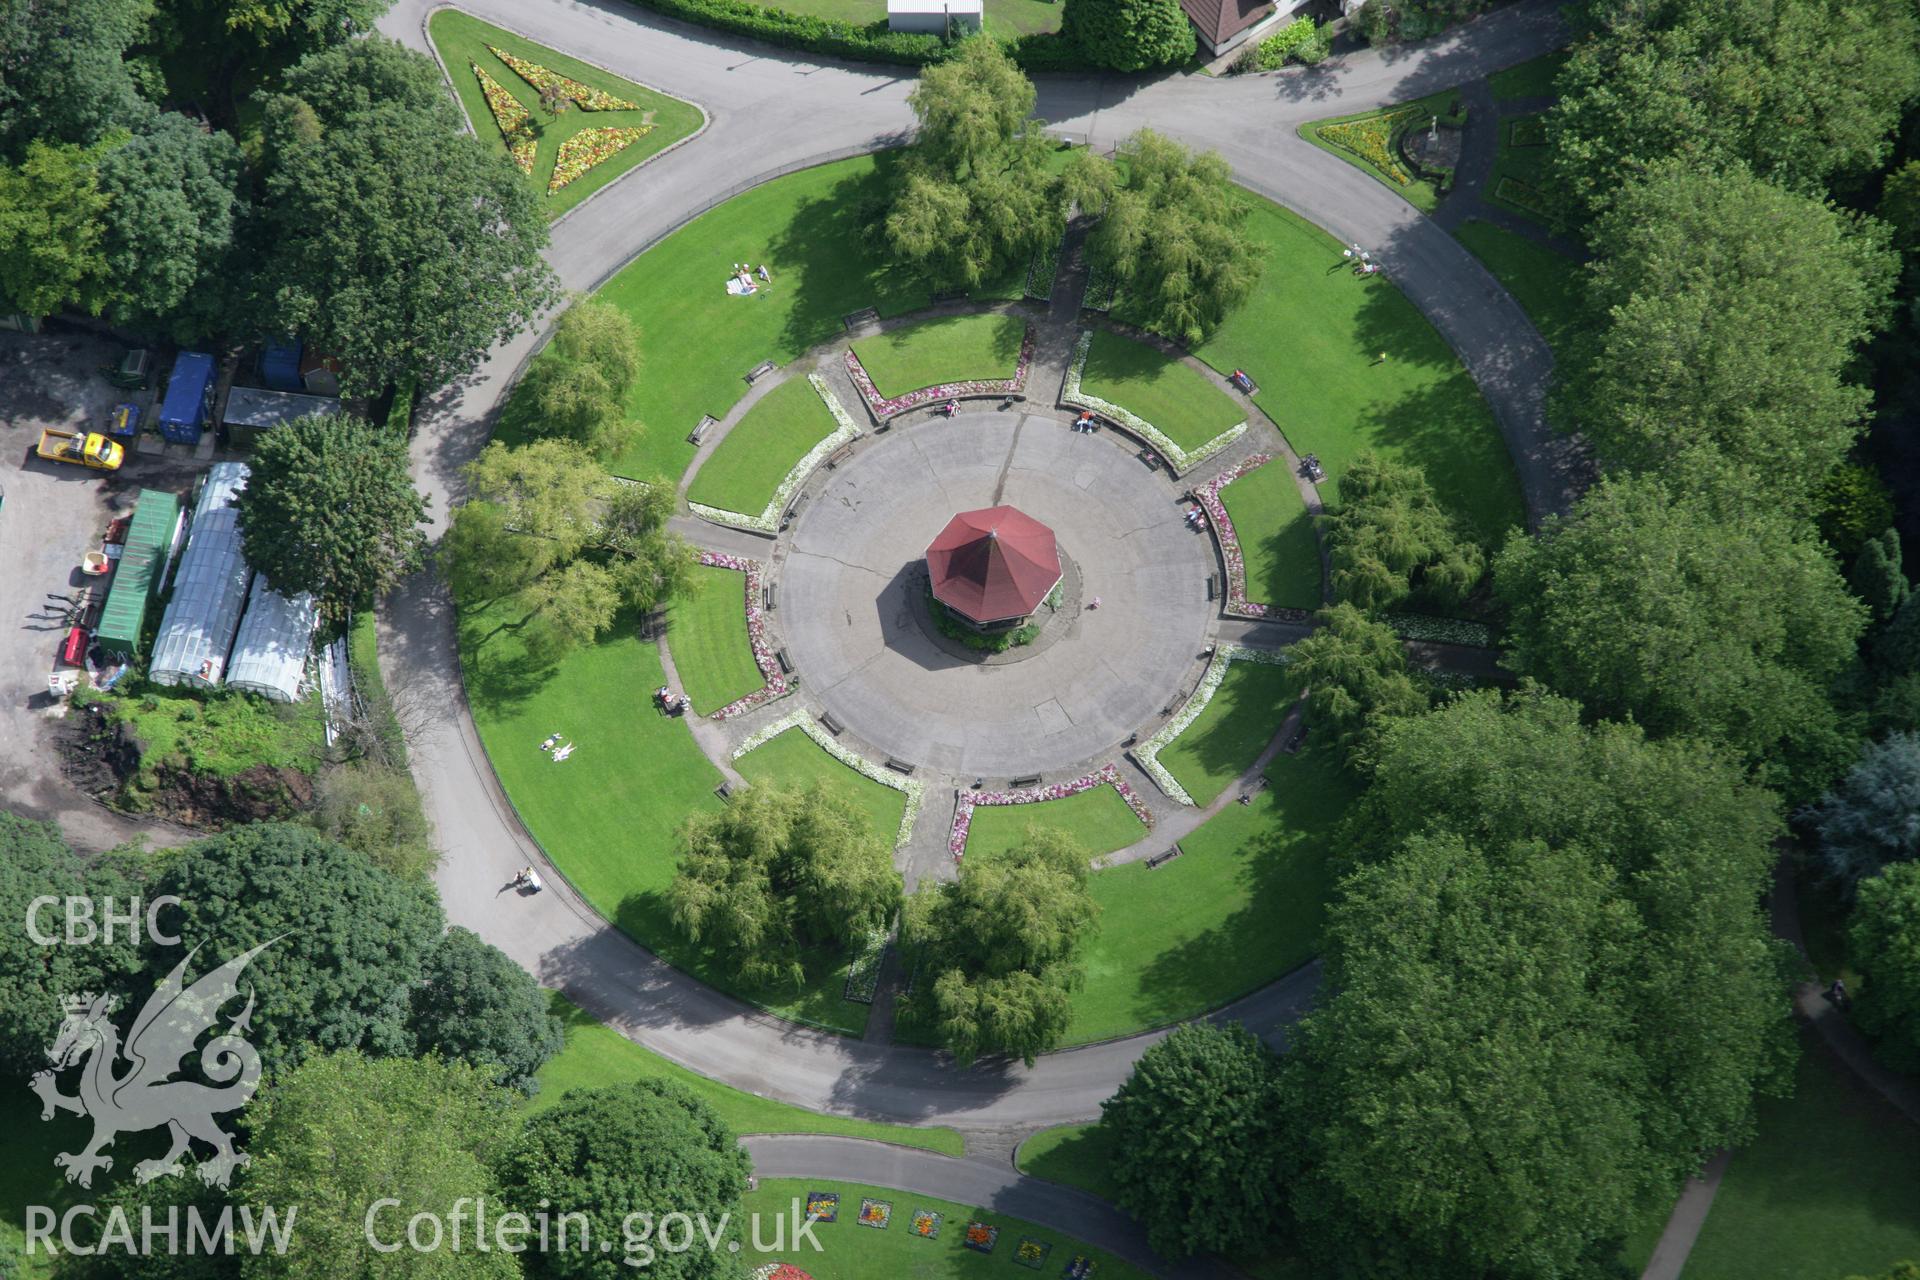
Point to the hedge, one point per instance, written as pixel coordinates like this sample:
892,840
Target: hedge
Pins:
869,43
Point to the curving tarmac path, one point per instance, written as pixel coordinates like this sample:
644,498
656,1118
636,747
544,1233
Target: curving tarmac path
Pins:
770,113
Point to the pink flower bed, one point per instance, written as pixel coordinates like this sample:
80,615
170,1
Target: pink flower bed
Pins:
1208,496
884,408
776,685
1107,775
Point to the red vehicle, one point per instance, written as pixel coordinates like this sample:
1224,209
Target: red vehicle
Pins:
73,651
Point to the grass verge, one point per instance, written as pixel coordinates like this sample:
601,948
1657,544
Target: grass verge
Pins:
745,471
1099,819
462,41
947,349
708,636
597,1055
1159,388
794,759
1229,735
1531,79
1277,543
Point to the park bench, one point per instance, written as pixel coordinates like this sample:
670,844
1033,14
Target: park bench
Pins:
699,432
1291,745
1213,587
830,724
1162,858
899,766
839,456
760,371
1149,458
1244,382
855,319
724,791
786,666
770,595
949,295
1031,780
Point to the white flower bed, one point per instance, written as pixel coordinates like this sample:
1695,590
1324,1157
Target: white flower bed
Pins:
1107,775
1421,626
1181,459
768,521
858,763
1147,754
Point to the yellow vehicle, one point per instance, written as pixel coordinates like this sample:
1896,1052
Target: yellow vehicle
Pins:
82,448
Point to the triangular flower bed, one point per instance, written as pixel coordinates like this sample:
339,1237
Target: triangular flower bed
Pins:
590,147
512,118
541,79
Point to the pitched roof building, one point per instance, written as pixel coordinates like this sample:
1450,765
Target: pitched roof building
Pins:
993,565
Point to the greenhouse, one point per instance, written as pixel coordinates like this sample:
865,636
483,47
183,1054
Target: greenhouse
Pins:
270,653
209,588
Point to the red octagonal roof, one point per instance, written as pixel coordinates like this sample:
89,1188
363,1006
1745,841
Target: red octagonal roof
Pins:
993,564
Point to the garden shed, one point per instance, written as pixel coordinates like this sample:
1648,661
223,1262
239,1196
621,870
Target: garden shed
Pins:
276,636
209,588
934,17
138,572
252,410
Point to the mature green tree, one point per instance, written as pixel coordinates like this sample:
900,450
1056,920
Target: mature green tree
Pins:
35,863
341,1133
1877,577
1899,1271
476,1005
974,196
158,1198
63,74
1197,1128
169,223
330,509
1686,839
301,24
1388,537
1724,314
374,809
649,1147
51,255
1355,673
1899,206
1730,627
1796,90
1170,232
1000,946
570,544
1884,944
1871,817
351,937
577,388
400,244
1852,505
1129,35
778,872
1469,1102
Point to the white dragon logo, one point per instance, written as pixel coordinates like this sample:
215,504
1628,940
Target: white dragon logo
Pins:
148,1096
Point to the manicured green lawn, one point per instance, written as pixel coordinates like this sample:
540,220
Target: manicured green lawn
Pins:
745,471
1099,819
1311,338
596,1055
1521,181
1159,388
1544,281
1830,1188
1078,1155
1021,16
1229,735
607,815
708,637
1277,544
849,1251
949,349
462,42
1531,79
1241,907
794,759
1416,191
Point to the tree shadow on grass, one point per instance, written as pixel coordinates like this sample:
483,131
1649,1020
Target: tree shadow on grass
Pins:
1241,720
1287,874
501,671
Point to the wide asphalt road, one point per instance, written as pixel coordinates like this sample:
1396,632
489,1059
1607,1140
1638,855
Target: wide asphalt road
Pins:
769,113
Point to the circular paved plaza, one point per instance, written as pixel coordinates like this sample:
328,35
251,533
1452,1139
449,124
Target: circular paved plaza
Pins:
852,589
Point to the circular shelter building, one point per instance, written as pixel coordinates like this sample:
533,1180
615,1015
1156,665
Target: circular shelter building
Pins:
993,567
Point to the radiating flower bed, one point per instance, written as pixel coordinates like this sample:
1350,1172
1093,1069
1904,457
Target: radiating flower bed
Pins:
1208,495
515,121
590,147
1103,290
863,973
800,720
1181,459
1107,775
542,80
768,521
1371,139
1421,626
884,408
776,685
1041,270
1147,754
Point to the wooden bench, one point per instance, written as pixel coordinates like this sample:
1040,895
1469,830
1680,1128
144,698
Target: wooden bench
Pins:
855,319
830,724
899,766
1213,586
1162,858
760,371
1031,780
786,666
839,456
949,295
1293,742
707,423
1149,458
793,510
770,595
724,791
